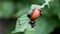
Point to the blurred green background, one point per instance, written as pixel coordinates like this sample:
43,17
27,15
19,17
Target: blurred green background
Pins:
10,10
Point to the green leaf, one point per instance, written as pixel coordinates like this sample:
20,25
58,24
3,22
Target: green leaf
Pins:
43,26
23,24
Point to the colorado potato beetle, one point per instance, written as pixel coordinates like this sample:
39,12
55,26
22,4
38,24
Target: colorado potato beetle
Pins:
35,14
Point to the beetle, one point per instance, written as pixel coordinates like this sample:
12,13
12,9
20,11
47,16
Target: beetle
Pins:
35,14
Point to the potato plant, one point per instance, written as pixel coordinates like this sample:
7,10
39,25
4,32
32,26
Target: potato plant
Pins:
18,9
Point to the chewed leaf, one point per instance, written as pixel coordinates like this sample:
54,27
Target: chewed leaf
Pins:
23,24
